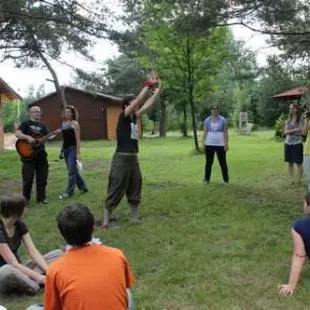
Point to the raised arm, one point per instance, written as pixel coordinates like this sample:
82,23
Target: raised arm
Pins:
143,95
298,261
149,103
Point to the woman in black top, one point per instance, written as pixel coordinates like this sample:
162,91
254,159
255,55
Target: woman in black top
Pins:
71,150
125,176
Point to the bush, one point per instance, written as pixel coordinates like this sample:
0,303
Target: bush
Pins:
254,127
280,126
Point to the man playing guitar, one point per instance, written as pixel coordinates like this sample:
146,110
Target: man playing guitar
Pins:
38,165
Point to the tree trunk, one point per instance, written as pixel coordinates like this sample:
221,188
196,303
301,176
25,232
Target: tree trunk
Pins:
59,89
185,127
192,105
1,126
163,119
154,130
190,83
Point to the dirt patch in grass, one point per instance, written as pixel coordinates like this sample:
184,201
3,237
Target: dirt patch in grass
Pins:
95,164
8,185
164,184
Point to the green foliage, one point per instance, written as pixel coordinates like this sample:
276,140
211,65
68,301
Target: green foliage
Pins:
10,116
16,112
119,76
148,125
280,126
187,55
291,20
34,32
275,79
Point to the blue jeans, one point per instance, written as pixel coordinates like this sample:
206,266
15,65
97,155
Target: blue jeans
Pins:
74,176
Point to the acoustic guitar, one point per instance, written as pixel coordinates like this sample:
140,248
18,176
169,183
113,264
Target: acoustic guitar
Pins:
28,151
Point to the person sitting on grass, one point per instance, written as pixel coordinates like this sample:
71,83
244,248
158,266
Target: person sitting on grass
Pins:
16,277
89,275
301,242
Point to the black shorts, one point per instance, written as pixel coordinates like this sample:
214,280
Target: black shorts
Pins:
293,153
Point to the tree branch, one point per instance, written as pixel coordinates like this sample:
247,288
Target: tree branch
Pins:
60,90
271,32
60,21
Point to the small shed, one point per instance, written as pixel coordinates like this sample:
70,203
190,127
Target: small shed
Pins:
7,94
98,113
293,94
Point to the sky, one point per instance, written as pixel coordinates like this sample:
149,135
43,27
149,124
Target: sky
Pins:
22,79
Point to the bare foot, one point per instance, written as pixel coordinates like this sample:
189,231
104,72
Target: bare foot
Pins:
104,226
135,221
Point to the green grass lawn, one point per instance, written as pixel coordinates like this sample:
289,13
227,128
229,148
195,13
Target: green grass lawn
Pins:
199,246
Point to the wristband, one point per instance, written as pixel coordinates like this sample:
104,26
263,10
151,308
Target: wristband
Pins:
149,84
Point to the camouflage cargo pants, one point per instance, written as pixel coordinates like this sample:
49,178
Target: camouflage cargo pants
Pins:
124,178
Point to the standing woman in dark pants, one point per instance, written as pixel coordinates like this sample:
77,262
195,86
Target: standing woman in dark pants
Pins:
293,147
215,140
71,149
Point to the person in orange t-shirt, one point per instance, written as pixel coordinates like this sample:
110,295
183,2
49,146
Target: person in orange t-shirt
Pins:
89,275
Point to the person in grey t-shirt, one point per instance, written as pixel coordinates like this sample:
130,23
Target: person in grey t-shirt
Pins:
215,140
293,145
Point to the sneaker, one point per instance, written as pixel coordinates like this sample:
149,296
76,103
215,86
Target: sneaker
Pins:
205,181
44,201
64,196
84,191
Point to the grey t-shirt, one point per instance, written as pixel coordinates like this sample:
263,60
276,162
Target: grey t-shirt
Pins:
292,139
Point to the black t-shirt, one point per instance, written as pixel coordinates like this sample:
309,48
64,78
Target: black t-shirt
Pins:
14,242
127,134
302,227
31,128
69,139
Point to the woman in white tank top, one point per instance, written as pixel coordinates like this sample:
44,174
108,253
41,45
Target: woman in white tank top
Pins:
215,140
